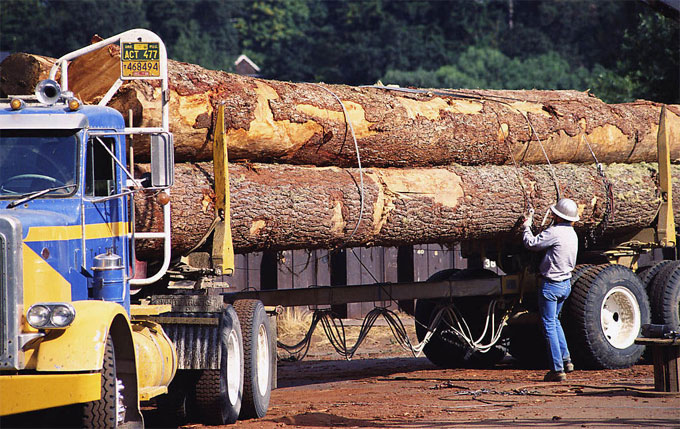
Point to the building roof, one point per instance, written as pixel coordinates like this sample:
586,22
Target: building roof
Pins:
242,58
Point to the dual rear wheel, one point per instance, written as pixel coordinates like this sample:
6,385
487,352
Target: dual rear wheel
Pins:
241,387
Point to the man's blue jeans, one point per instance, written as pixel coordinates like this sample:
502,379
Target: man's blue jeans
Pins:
551,297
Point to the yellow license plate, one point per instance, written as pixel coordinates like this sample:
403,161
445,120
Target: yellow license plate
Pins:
140,60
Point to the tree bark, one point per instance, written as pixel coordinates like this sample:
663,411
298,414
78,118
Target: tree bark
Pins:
302,123
277,207
20,73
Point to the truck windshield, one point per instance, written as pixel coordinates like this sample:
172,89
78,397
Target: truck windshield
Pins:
34,160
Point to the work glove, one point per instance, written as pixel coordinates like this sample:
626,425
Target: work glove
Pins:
528,219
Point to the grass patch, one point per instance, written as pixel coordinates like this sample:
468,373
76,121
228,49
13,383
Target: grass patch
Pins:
294,323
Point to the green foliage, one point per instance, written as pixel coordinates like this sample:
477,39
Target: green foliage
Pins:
489,68
272,32
611,86
206,36
55,27
620,50
650,58
15,35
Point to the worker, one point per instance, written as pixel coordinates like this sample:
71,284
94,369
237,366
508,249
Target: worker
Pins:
560,244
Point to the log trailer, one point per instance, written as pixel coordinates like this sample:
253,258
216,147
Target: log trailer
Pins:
77,347
474,316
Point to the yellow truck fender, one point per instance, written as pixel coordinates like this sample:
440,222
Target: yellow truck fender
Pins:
72,356
80,347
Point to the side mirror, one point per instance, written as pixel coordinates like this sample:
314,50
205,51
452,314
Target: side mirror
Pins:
162,161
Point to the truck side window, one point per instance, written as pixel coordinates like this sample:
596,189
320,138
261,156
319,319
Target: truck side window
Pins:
100,171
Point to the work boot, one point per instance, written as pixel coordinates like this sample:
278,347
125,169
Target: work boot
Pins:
555,376
568,366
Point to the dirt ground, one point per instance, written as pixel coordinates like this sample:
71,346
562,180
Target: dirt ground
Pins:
384,387
400,392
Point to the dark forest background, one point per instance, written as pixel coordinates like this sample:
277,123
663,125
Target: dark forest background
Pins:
619,50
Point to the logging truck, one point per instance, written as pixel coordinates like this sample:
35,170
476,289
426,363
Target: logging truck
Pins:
85,327
77,348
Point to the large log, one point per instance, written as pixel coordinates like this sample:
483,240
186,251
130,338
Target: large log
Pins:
20,73
90,75
280,207
304,123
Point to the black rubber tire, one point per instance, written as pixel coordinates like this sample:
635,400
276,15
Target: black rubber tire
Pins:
256,392
103,413
527,342
578,271
648,274
212,399
449,353
581,318
527,346
174,407
664,296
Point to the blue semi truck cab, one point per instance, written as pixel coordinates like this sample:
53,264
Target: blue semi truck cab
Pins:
70,339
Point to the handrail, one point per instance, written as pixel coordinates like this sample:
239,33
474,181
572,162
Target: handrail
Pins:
135,35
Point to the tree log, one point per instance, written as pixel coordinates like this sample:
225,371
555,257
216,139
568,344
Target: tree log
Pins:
20,73
277,207
301,123
305,124
90,76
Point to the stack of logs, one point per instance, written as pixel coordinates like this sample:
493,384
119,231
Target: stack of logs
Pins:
436,166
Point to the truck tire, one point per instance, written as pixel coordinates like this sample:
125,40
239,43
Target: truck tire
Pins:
450,352
664,296
257,358
173,407
527,342
648,274
527,346
107,411
603,316
578,271
219,392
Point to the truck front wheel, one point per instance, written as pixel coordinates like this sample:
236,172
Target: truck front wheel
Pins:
108,411
603,316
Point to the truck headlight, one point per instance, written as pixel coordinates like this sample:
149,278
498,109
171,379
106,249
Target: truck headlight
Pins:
55,315
38,316
62,315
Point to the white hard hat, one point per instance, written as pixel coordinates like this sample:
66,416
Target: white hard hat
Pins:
566,209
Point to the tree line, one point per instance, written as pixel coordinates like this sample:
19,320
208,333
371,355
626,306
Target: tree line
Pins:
619,50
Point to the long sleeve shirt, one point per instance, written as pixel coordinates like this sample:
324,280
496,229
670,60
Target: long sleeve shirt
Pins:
560,243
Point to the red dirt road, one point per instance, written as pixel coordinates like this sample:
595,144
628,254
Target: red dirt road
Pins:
403,392
385,387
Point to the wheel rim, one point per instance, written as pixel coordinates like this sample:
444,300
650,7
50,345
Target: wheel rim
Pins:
233,367
262,360
620,317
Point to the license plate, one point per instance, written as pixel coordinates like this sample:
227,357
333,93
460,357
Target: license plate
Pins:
140,60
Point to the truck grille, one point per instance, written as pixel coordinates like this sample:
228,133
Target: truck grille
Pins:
11,291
